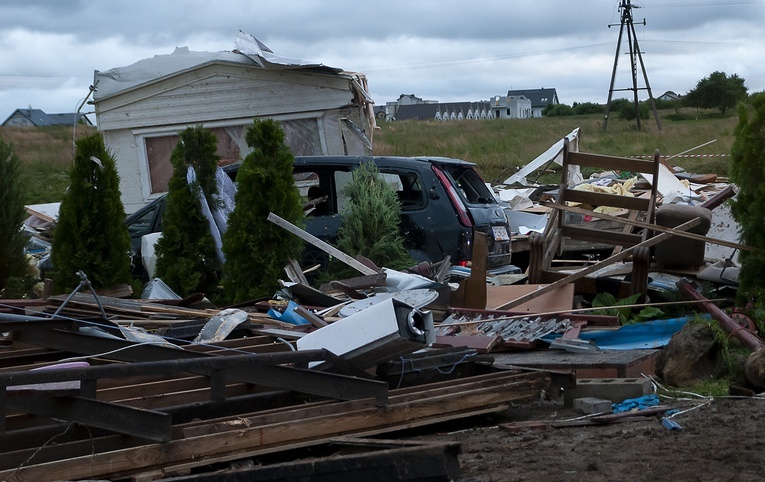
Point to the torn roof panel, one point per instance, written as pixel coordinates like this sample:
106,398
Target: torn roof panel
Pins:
256,50
249,51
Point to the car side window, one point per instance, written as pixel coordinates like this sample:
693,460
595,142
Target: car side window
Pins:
142,225
316,192
470,185
406,185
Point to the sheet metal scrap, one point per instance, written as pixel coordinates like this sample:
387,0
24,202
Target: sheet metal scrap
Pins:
510,329
524,329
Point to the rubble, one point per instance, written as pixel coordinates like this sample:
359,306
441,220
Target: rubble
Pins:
161,387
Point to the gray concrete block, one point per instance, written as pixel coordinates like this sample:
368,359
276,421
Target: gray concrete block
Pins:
590,405
614,389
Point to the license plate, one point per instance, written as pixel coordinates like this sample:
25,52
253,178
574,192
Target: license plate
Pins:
500,233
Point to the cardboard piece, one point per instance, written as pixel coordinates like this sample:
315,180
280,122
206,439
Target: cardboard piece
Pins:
560,299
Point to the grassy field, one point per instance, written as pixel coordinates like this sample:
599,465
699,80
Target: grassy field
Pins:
498,147
46,154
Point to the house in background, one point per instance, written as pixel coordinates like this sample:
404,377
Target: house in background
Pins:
511,107
669,96
408,100
37,118
141,108
444,111
518,104
540,98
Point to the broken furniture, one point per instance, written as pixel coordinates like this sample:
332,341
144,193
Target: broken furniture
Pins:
562,228
682,252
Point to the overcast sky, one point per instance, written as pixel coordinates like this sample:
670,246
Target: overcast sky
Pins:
443,50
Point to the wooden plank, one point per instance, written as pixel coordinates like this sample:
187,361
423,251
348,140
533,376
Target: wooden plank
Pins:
602,199
481,343
294,272
354,458
471,293
397,397
595,267
611,162
327,248
245,439
618,238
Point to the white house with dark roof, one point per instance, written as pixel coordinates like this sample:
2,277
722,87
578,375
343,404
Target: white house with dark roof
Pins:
540,98
512,107
37,118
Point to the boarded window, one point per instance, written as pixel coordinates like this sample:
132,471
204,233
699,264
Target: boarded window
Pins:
159,150
302,135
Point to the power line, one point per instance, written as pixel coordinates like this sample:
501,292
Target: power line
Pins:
439,63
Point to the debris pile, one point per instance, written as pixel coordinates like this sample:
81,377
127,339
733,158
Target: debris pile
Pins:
162,386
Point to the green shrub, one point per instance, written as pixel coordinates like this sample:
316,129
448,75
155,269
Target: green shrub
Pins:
371,226
13,265
91,235
186,255
748,172
256,249
557,110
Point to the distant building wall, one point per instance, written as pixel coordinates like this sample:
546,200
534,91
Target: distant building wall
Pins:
18,120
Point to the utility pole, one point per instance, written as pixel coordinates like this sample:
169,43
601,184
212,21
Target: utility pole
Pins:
635,57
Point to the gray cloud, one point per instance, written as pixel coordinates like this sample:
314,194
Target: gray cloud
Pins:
445,50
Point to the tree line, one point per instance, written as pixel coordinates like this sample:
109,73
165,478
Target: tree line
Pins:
717,91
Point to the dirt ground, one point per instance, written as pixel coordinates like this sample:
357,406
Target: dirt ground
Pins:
719,441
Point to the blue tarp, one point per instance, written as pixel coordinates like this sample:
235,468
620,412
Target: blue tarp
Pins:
643,335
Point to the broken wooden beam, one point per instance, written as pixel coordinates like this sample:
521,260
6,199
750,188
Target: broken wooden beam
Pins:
201,443
327,248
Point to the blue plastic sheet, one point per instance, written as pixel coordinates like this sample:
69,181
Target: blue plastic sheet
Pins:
289,315
643,335
640,403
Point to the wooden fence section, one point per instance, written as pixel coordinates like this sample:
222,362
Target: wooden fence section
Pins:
200,443
144,411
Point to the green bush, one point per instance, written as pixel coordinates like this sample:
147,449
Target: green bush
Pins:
186,255
558,110
13,265
371,226
91,235
586,108
748,172
627,110
256,249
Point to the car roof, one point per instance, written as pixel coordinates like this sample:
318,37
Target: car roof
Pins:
379,160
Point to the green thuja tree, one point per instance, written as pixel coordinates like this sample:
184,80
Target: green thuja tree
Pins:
91,235
13,265
186,256
371,226
257,250
748,172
